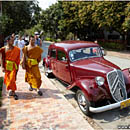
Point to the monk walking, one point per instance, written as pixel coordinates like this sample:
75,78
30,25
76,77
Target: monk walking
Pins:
10,65
31,59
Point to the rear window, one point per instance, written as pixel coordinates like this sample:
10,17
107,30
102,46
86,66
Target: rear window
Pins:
53,53
61,56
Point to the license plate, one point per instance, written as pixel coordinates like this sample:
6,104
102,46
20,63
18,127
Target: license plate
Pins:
125,104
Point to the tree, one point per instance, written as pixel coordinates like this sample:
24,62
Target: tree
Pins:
109,15
50,20
126,22
78,18
18,16
85,20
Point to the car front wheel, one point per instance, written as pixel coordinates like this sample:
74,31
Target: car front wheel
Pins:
83,102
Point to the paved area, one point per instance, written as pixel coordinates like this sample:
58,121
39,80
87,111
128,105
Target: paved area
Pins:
121,59
124,54
32,112
48,112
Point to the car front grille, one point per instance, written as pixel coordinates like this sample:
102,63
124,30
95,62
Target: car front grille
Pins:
117,85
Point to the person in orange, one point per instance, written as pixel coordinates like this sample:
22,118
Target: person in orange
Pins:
10,64
31,59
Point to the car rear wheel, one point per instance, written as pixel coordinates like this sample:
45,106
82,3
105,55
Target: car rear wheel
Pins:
47,71
83,102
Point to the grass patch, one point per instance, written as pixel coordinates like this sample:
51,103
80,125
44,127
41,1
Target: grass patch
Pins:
1,84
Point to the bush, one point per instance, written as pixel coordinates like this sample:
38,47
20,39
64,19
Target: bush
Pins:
52,39
48,39
58,40
1,84
70,36
112,45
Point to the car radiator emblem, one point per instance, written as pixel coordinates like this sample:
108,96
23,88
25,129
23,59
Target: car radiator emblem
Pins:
117,85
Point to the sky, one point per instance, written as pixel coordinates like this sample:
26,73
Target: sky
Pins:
46,3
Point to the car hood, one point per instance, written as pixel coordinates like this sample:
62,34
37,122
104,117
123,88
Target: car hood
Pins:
93,67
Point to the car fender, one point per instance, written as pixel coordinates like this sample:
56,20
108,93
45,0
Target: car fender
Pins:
86,85
46,62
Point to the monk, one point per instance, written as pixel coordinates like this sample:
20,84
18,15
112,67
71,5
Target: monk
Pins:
32,57
10,65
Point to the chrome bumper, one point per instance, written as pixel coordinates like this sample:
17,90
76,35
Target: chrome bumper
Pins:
108,107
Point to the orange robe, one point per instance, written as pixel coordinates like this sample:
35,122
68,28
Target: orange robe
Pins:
10,76
33,76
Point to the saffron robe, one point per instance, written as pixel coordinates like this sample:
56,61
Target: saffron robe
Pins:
10,76
32,75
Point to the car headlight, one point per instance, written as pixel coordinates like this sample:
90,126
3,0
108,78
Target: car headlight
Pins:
99,80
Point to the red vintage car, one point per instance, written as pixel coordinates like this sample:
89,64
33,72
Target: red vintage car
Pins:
99,84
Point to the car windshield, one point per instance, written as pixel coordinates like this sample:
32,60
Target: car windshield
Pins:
84,53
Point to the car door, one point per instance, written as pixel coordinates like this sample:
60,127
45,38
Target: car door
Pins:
63,66
52,52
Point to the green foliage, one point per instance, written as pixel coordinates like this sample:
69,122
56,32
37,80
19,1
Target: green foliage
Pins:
109,15
36,28
50,20
58,40
1,84
126,23
50,39
86,20
70,36
112,45
47,39
18,15
77,18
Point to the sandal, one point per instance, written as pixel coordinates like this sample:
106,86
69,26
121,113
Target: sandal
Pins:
39,93
30,88
11,93
15,97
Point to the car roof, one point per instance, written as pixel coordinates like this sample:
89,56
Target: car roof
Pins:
70,45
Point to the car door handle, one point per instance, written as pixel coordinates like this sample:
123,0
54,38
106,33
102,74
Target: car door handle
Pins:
66,66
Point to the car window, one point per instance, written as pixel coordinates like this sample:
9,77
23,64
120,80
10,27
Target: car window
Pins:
53,53
61,56
83,53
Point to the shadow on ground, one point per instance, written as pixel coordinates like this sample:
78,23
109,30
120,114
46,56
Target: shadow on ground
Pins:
112,115
47,93
4,122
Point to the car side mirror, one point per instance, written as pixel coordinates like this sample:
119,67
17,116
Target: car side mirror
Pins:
104,53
